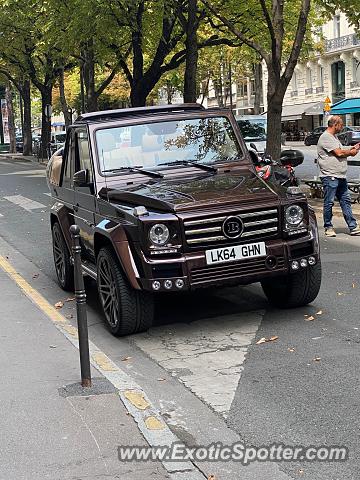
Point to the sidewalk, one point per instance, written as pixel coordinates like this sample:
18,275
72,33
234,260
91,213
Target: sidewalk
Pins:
19,157
47,431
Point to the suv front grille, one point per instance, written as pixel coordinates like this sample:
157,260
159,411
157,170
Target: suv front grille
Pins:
264,223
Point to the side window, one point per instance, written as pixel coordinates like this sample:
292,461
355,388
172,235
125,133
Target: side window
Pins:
69,163
83,160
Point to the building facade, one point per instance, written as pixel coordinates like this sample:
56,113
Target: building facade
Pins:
335,73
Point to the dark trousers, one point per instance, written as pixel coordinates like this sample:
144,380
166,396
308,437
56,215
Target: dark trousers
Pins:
337,187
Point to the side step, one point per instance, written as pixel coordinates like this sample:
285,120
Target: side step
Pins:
87,268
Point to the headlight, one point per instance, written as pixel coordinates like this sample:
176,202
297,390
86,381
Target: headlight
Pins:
159,234
294,215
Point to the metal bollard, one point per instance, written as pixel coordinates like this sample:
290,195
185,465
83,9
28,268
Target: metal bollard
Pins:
80,296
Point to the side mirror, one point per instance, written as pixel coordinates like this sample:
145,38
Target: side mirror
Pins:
80,179
253,146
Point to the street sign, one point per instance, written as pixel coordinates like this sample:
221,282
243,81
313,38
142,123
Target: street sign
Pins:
327,107
327,100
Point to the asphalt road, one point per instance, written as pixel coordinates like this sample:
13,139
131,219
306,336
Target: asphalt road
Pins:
200,362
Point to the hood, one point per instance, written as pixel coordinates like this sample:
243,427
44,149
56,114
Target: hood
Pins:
180,194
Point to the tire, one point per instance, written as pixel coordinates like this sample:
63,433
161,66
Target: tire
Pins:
294,290
126,310
64,269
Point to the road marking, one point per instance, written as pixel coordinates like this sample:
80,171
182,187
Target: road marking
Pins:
24,202
206,356
27,173
148,420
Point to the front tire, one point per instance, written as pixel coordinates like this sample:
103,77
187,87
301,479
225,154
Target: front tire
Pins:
64,269
126,310
294,290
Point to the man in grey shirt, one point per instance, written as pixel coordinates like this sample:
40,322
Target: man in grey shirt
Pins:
332,160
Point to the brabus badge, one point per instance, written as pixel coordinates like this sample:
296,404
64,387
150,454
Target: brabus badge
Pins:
233,227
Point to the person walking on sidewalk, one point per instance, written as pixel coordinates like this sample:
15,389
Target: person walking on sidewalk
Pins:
332,161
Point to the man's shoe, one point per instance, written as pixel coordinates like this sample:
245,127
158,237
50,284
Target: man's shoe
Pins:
330,232
355,231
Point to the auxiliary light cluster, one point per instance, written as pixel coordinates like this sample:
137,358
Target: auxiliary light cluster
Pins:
168,284
302,263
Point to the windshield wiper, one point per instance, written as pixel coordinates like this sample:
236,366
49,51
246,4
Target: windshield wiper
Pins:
137,169
202,166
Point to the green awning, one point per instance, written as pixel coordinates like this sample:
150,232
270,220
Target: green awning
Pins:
349,105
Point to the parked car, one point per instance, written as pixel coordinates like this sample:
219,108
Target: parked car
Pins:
349,135
177,208
57,141
313,137
19,144
254,130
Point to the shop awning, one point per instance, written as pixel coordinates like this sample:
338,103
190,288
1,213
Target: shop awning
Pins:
295,112
349,105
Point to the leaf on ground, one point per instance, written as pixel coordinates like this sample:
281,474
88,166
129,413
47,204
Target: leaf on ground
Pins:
211,477
70,299
125,359
266,340
354,285
340,294
301,471
316,359
35,275
320,312
52,346
69,316
161,380
309,319
291,349
59,305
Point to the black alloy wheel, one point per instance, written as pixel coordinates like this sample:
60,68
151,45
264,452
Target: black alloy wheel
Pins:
126,310
64,269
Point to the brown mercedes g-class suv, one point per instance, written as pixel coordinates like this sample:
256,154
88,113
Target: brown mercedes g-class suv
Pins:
168,200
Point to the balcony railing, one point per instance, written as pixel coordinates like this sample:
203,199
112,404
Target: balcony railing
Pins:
294,93
341,42
308,91
320,89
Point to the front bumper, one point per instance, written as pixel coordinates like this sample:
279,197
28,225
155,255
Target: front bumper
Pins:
194,272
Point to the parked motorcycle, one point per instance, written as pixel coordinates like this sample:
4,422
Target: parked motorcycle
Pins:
282,172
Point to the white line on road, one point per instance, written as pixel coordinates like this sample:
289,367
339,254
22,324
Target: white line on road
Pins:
27,173
25,203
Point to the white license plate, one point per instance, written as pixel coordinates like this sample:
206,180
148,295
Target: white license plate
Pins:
237,252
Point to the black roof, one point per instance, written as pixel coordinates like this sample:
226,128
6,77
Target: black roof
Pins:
126,112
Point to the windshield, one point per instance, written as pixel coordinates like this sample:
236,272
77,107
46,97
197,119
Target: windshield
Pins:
200,140
254,129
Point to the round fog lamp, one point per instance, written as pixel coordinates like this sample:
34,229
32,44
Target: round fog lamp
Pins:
159,234
168,284
312,261
179,283
294,215
295,265
303,262
156,285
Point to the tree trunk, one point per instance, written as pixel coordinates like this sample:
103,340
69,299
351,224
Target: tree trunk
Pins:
273,143
82,89
46,97
258,87
89,79
191,62
9,101
217,84
26,96
138,96
63,102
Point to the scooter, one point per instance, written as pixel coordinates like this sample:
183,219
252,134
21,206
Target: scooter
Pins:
282,172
